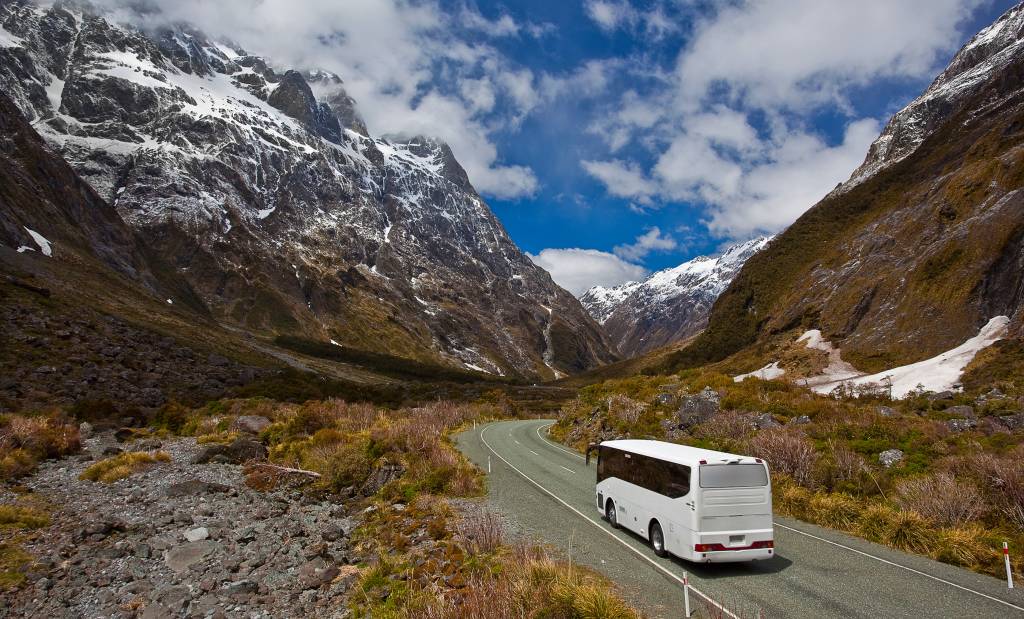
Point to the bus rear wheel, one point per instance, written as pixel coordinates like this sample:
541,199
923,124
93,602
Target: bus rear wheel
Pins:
657,538
609,513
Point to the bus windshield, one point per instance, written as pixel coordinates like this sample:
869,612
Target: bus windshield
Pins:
733,476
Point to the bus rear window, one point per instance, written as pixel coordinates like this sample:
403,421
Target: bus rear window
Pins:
733,476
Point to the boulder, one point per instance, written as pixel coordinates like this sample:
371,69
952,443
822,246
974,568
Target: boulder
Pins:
962,411
197,534
1011,419
886,411
381,476
698,408
85,430
242,450
250,424
799,421
764,420
961,425
889,457
181,558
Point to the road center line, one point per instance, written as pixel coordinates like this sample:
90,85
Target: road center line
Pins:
534,452
606,531
568,469
837,544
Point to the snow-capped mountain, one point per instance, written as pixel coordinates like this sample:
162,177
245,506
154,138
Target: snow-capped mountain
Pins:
669,305
265,190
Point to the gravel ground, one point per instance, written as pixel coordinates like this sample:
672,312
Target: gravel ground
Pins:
120,550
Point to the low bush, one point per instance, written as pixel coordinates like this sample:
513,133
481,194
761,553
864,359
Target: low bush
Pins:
17,517
122,465
940,498
787,452
27,440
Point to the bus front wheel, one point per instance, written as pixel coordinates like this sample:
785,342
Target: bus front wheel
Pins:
658,540
609,513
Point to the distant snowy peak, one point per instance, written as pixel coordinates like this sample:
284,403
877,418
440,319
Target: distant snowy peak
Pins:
669,305
989,51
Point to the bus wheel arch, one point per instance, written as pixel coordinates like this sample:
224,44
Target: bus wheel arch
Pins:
656,536
610,514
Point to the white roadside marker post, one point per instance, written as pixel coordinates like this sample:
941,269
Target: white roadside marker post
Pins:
1006,560
488,464
686,594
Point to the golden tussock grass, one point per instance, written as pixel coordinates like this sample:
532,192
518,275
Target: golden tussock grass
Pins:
122,465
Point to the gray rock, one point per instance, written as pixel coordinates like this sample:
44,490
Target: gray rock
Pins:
961,425
1012,420
195,487
886,411
962,410
698,408
250,424
941,395
666,399
85,430
889,457
799,421
197,534
381,476
764,420
242,450
181,558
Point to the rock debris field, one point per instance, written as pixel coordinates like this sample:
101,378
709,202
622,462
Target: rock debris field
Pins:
180,540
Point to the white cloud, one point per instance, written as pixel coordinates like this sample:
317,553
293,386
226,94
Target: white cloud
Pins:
650,241
611,15
578,270
395,57
622,179
800,53
731,130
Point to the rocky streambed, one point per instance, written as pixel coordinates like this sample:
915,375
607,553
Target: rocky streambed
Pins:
179,540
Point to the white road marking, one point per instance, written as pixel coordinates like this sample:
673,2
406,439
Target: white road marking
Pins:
909,569
837,544
534,452
609,533
568,469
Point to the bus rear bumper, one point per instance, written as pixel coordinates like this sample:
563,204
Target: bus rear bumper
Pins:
734,556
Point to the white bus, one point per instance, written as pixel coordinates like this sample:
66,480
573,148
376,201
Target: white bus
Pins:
697,504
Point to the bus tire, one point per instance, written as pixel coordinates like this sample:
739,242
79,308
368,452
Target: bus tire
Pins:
657,538
609,513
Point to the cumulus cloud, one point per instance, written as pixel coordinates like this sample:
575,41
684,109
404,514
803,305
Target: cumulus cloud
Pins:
800,53
412,67
651,241
611,15
578,270
730,129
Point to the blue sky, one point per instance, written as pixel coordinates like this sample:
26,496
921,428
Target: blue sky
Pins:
616,137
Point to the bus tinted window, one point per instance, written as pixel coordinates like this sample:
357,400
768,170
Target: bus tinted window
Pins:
733,476
667,478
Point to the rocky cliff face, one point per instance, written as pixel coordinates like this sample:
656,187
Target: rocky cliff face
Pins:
670,305
267,194
922,246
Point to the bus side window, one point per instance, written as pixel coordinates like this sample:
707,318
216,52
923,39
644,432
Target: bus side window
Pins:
677,484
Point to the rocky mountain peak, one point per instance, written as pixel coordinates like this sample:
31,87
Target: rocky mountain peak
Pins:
293,96
671,304
987,53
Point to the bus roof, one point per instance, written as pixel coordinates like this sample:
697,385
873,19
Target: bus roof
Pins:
672,452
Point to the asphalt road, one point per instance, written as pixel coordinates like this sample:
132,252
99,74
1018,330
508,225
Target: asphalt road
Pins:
548,491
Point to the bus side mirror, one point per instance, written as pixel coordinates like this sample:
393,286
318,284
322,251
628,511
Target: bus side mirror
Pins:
591,447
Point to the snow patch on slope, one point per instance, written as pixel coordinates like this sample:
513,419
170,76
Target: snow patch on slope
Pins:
940,373
768,372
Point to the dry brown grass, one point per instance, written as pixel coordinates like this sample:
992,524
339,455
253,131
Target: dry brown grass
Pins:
787,452
24,441
122,465
481,532
625,408
941,498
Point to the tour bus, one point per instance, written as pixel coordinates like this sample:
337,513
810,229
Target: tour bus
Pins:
697,504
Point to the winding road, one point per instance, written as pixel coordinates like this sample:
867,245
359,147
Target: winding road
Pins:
547,489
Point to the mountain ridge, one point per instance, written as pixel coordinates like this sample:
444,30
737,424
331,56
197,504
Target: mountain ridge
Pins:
669,305
284,216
